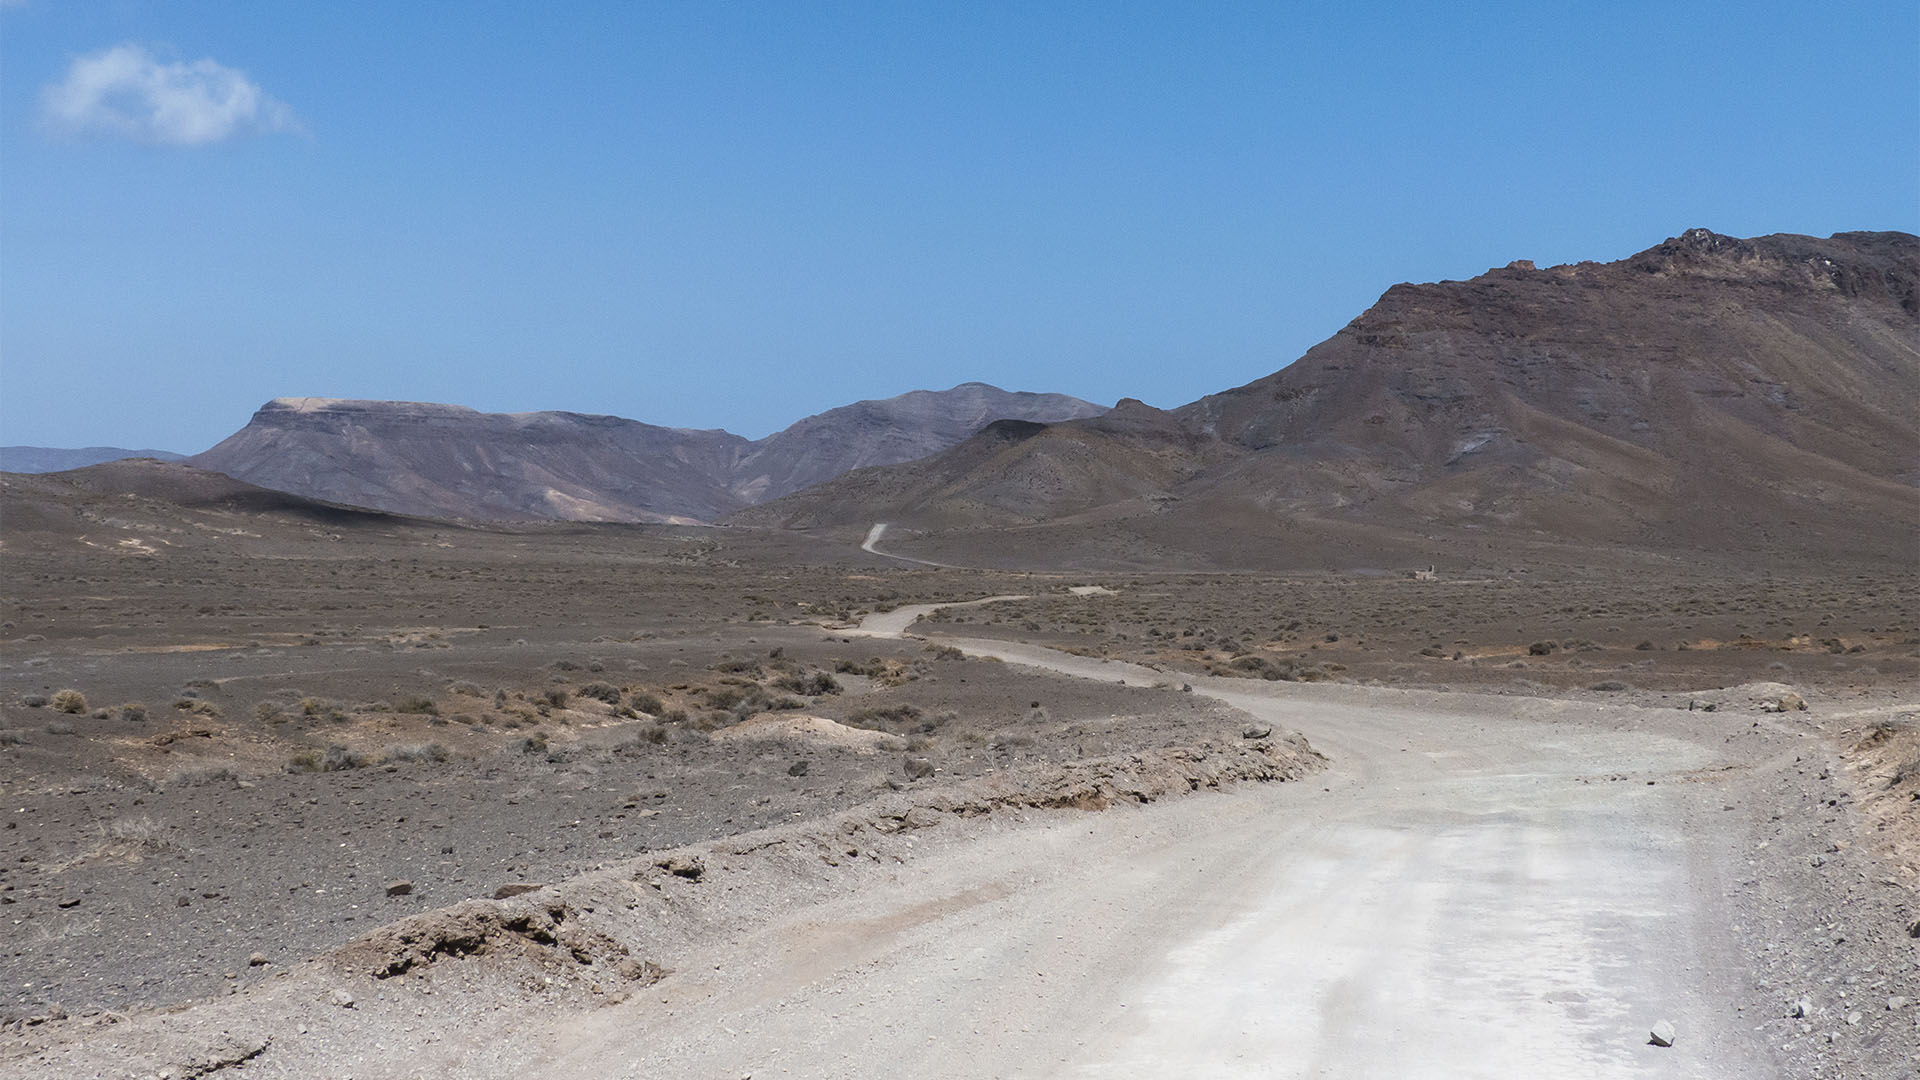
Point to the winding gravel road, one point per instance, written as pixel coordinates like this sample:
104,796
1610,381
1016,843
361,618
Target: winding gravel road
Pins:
1479,887
878,532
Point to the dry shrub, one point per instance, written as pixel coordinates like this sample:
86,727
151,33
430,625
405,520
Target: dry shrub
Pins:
1905,771
335,758
201,773
605,693
1260,667
724,697
414,752
883,717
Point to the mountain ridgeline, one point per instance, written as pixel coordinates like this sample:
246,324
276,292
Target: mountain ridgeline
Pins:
1711,394
46,459
1709,398
450,461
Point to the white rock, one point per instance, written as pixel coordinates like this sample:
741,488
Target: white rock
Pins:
1662,1034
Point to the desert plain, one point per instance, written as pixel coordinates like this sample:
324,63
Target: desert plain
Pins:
342,793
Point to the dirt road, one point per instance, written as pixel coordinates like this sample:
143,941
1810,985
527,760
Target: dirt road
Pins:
892,624
879,531
1480,887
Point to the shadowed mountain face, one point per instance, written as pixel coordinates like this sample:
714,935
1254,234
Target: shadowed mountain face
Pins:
141,506
1012,473
1709,393
887,432
449,461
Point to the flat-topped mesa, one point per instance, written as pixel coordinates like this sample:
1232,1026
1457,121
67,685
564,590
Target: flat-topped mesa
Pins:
364,407
309,404
291,409
452,461
346,410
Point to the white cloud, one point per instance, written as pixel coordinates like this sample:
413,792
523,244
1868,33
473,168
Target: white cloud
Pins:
123,92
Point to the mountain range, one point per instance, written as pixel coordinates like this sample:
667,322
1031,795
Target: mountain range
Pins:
1708,398
1711,394
46,459
450,461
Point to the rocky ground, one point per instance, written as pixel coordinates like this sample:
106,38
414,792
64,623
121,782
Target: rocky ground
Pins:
1538,631
144,860
1826,907
297,736
1807,922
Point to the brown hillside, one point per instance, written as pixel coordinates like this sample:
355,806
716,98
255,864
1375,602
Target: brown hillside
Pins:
1708,394
144,506
1015,472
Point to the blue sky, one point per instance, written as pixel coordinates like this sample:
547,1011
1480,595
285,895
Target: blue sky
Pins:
735,214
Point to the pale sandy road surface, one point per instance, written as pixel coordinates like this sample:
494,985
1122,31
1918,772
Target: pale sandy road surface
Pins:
878,532
1480,887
